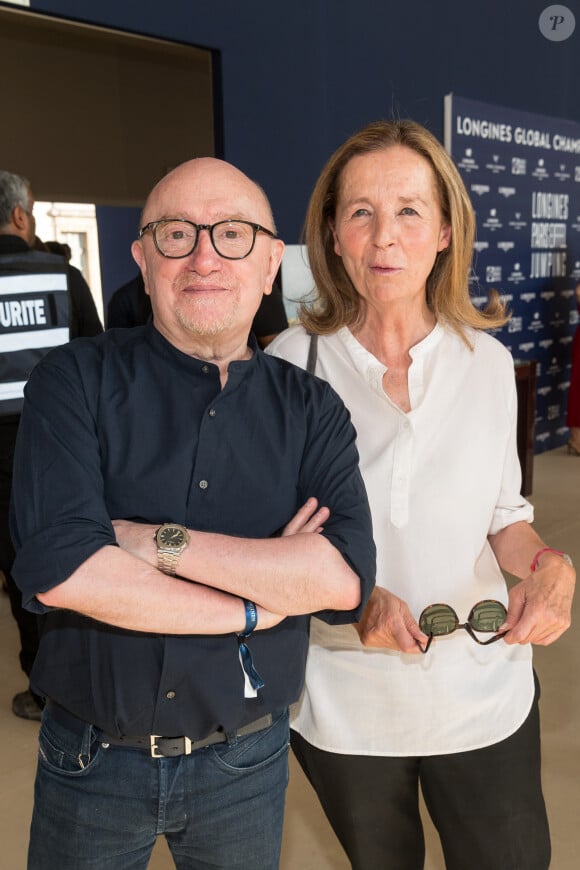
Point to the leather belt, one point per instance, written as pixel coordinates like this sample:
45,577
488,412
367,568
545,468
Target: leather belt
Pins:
156,745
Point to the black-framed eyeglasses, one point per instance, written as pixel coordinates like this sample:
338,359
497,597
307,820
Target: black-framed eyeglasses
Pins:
231,239
440,619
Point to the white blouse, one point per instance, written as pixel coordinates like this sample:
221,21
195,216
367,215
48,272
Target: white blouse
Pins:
440,479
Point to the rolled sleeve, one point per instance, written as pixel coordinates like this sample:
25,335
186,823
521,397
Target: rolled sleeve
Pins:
58,516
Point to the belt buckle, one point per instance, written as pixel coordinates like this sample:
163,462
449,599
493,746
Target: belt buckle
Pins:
154,748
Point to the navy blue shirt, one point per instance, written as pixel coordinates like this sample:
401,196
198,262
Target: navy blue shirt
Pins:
126,426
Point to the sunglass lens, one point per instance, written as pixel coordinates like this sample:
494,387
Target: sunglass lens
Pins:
487,616
438,619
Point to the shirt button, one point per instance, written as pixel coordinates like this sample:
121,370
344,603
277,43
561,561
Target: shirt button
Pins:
203,484
170,696
205,369
212,412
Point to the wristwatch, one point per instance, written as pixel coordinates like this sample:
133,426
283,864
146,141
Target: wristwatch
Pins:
171,540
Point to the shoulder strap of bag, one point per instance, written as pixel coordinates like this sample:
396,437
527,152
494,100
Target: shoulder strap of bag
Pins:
312,353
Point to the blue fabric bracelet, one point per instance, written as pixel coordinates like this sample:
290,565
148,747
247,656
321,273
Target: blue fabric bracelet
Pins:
252,679
251,618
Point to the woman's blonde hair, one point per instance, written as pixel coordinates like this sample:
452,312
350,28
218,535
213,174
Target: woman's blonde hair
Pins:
337,302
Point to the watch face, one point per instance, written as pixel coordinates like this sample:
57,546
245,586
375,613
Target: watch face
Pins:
172,537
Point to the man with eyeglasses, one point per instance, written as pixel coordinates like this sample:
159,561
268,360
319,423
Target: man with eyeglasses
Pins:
182,504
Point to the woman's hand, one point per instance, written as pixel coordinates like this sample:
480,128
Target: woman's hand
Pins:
387,622
540,606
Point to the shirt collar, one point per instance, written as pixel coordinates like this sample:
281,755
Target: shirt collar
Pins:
169,351
10,244
363,359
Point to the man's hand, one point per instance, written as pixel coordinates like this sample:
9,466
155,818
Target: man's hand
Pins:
540,606
307,519
138,539
296,572
387,622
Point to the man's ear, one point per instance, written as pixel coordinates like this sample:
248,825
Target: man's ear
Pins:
20,219
276,255
139,257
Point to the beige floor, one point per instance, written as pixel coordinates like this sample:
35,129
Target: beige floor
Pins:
308,842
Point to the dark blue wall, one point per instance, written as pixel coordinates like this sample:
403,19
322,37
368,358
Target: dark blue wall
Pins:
117,229
300,76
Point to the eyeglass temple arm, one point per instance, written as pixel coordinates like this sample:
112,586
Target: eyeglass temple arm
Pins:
473,635
425,650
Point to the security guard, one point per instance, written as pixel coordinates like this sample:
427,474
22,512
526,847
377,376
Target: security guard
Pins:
43,303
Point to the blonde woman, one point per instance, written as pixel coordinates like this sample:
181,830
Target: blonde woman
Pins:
435,685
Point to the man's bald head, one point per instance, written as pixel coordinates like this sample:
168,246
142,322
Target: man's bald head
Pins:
205,171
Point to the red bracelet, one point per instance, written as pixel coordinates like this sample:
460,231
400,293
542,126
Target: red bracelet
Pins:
536,558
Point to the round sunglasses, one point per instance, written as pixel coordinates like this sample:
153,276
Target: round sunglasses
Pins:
486,616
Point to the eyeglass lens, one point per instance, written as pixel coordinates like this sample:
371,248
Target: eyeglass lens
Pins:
438,619
487,616
231,239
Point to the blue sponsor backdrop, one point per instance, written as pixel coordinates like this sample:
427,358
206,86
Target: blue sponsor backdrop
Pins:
522,172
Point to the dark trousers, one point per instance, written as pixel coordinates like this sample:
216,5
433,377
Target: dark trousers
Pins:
27,622
487,804
27,626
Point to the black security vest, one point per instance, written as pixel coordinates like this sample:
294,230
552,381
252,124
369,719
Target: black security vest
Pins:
34,317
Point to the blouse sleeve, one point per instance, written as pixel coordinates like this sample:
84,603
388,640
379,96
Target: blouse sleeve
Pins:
511,506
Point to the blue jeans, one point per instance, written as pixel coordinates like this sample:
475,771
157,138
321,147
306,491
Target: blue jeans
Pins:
221,806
